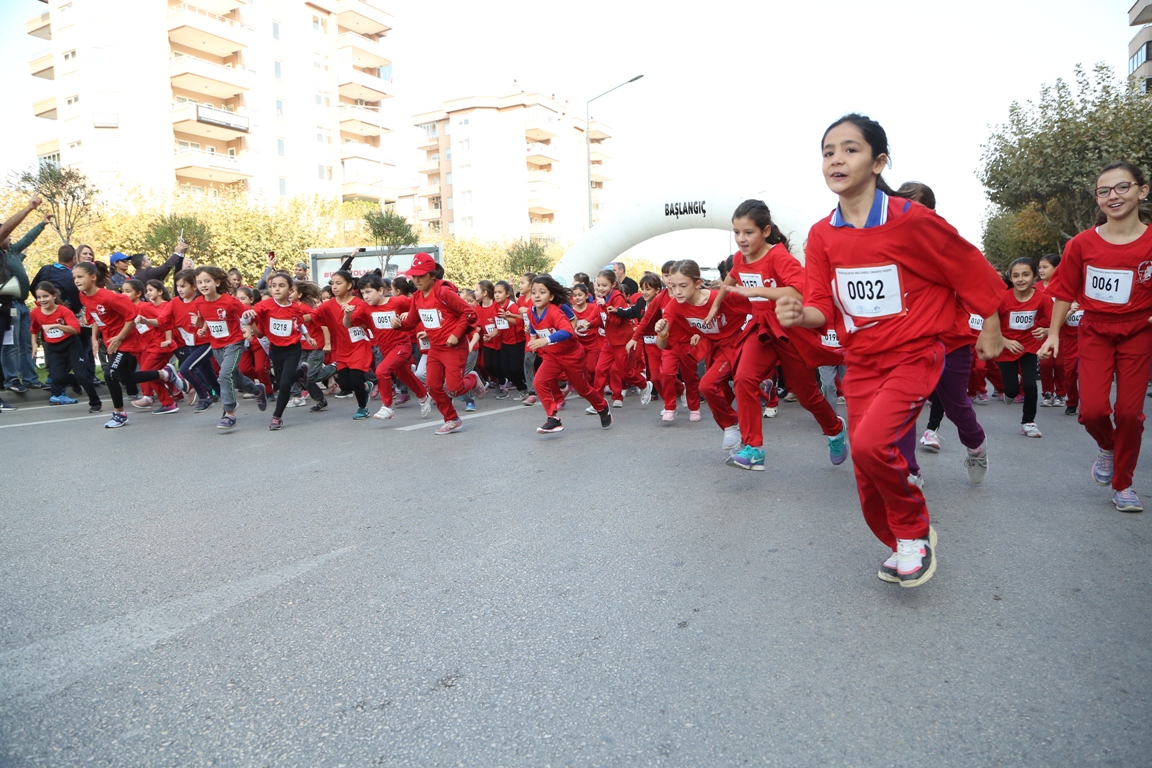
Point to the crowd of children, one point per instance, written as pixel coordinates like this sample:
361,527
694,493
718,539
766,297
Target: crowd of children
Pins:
891,309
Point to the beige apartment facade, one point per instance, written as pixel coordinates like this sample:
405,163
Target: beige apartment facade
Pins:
508,167
1140,47
276,97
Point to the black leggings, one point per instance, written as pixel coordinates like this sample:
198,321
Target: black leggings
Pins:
493,365
1028,367
512,365
70,355
353,379
285,361
122,370
935,412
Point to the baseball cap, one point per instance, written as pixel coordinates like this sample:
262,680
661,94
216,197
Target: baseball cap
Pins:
422,264
117,257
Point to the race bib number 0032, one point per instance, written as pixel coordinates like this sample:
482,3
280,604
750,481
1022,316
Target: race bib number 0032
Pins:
870,292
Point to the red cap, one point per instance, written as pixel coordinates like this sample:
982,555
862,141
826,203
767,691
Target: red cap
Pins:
422,264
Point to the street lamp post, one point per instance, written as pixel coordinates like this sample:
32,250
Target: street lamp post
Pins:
588,140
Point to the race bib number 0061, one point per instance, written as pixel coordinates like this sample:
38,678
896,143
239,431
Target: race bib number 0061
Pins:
1111,286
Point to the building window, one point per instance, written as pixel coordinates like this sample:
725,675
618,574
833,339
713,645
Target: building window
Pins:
451,227
323,137
448,178
276,36
322,99
52,159
279,108
283,187
324,172
72,100
466,196
448,154
466,222
462,121
464,144
65,8
450,204
385,72
434,204
69,56
75,145
1139,57
280,147
277,70
434,181
319,23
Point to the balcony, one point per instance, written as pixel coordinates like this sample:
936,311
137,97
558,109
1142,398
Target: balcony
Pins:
1139,13
428,166
204,77
597,130
541,230
428,190
598,155
210,166
350,150
361,121
598,174
541,154
428,141
39,26
356,84
360,16
362,51
544,199
45,108
209,122
42,65
207,31
537,178
220,7
540,128
364,190
429,215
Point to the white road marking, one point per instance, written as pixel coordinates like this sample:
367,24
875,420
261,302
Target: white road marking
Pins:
57,421
467,417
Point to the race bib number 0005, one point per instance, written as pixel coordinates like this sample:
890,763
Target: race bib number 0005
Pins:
1022,321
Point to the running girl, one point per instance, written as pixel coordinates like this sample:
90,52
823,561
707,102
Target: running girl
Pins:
1025,313
1108,271
589,328
64,353
281,321
1058,378
377,312
308,294
193,352
486,309
678,359
154,354
351,343
612,370
554,340
509,322
885,272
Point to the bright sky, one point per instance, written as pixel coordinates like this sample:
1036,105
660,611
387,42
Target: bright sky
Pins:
733,92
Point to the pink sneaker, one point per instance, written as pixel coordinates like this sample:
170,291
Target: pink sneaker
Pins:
667,415
693,415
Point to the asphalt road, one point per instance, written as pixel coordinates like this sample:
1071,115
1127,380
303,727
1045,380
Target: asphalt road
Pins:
356,593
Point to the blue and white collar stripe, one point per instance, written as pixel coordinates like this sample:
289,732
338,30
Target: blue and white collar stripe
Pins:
877,216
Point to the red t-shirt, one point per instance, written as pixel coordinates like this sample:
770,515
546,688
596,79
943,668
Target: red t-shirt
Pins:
144,338
486,320
108,311
60,316
351,347
441,313
1104,278
617,330
1018,318
552,321
281,324
511,331
730,320
378,319
594,336
891,287
180,314
221,319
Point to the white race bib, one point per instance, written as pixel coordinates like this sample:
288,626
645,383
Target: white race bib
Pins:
218,328
544,333
425,343
489,329
279,327
975,322
189,339
649,339
1022,321
53,333
96,319
502,324
1112,286
752,280
1073,318
870,292
604,319
142,328
383,320
830,339
430,318
356,333
699,324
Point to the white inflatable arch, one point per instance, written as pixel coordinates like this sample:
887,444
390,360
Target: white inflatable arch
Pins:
695,209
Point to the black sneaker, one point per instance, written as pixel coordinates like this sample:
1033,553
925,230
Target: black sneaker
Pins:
605,418
6,407
96,408
552,425
318,407
18,388
261,397
1070,410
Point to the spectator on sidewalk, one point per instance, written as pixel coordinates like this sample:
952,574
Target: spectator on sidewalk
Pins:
15,317
119,276
144,271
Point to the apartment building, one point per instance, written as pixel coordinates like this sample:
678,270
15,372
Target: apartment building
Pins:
278,97
508,167
1140,48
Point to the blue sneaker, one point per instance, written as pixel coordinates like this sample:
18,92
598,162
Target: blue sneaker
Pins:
119,419
470,407
748,457
1127,501
61,400
261,397
838,445
1103,468
361,413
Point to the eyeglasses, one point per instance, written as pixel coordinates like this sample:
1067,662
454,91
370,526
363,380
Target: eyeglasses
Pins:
1121,188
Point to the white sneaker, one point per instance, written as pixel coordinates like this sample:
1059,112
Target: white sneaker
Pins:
1030,430
426,406
977,464
683,401
617,403
770,412
1046,400
142,402
915,561
916,480
297,402
591,411
731,438
646,394
384,413
930,441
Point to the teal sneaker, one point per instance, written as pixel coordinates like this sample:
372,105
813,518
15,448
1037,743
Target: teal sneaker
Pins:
748,457
838,445
361,413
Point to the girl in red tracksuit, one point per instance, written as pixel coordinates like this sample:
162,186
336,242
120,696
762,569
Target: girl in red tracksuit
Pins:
486,309
446,319
689,314
351,342
1025,314
1108,271
144,343
562,356
380,308
158,346
612,369
644,350
510,325
1053,390
886,271
678,360
281,321
589,328
762,271
254,360
1063,372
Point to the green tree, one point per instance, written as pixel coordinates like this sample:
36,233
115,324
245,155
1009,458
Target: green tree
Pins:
1048,155
68,195
527,256
391,231
165,232
1009,236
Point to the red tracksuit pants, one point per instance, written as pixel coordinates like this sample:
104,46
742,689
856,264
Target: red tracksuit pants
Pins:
154,360
981,370
682,358
592,358
614,368
570,367
397,363
444,373
666,390
758,361
884,394
1070,362
1119,348
716,384
1052,377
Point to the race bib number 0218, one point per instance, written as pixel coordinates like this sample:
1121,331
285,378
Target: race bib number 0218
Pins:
870,292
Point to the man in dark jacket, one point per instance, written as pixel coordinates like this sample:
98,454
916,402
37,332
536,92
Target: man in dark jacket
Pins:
15,319
145,271
60,275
